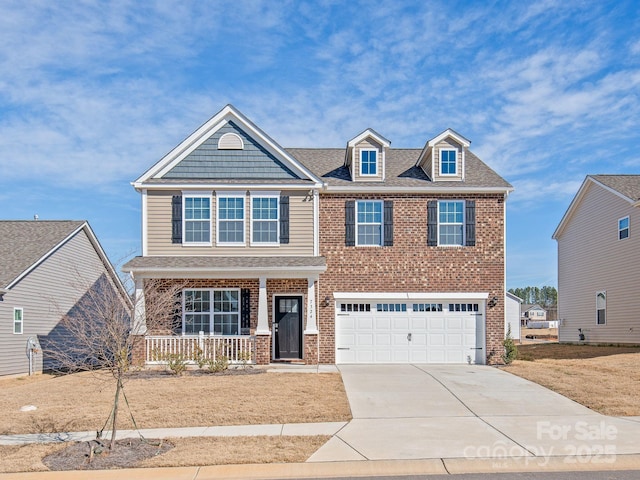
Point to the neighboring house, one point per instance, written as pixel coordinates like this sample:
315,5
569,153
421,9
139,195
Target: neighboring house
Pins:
512,315
326,255
532,313
598,262
46,267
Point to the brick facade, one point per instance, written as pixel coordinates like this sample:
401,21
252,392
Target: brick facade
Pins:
410,265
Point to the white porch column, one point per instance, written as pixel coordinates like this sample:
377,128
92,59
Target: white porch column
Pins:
312,325
139,324
263,311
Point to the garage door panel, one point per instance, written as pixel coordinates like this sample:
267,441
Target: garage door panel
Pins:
437,336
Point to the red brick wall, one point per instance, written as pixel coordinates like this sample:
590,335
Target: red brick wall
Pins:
410,265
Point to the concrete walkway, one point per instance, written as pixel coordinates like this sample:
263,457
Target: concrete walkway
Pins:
418,412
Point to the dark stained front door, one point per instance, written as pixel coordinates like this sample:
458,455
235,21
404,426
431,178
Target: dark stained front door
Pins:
288,327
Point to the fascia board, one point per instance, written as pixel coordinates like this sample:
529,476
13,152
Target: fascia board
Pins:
423,154
450,133
411,295
417,190
223,273
369,132
227,186
35,264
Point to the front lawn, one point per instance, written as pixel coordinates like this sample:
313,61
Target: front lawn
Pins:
603,378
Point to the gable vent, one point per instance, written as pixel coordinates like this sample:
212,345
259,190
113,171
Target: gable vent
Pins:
230,141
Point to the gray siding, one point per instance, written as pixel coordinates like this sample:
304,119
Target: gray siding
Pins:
253,162
592,259
46,295
159,229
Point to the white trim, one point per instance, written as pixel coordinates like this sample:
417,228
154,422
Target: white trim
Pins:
232,194
273,321
195,194
447,149
205,131
449,133
262,328
225,273
628,229
316,223
264,194
145,222
411,296
211,311
604,294
464,233
369,132
416,190
21,323
225,186
375,150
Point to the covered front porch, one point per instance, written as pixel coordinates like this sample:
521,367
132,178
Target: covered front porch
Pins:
250,310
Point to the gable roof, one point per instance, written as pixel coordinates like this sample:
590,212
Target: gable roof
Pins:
401,172
194,169
25,244
626,187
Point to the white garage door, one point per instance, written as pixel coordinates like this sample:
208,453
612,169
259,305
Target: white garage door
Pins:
401,332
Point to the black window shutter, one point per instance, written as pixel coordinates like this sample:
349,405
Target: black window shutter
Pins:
284,219
432,223
470,223
388,223
176,324
245,311
176,219
350,223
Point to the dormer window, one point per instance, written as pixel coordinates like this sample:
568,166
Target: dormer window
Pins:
448,162
368,162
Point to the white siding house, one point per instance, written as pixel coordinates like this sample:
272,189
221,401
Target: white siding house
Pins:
512,315
45,269
598,262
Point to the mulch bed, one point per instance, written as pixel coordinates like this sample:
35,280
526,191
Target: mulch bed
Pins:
125,454
148,373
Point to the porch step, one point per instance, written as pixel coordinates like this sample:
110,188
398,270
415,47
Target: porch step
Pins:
300,368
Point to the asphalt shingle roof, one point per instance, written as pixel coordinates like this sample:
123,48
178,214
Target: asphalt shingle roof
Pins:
401,170
627,185
24,242
220,263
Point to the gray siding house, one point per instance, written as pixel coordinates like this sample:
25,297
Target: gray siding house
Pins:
599,262
46,268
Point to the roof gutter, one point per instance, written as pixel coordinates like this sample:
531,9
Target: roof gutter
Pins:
236,186
449,189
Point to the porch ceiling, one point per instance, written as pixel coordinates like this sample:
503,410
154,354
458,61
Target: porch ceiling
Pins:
225,267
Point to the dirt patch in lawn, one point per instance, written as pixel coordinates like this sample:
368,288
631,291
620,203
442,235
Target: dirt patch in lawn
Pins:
603,378
82,402
173,452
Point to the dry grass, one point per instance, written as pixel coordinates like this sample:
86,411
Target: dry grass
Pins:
186,452
603,378
82,402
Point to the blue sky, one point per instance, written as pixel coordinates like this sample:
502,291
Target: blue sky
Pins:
94,93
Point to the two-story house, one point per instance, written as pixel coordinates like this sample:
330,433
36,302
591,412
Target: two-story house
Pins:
359,254
598,262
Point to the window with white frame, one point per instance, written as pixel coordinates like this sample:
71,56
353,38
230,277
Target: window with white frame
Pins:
623,228
212,311
448,162
197,219
230,219
368,162
601,308
264,219
451,222
369,222
18,319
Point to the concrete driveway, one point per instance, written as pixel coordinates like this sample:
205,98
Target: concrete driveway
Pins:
467,411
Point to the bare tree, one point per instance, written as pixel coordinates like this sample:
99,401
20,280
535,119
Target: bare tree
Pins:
99,333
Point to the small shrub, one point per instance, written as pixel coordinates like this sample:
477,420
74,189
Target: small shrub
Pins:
219,364
176,363
510,348
199,358
245,358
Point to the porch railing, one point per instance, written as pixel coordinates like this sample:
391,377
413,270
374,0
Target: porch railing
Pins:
239,349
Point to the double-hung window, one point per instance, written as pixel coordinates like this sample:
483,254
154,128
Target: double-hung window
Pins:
230,219
197,219
451,222
212,311
623,228
448,162
18,315
264,219
369,222
368,162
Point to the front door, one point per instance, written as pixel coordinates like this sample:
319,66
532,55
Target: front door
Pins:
288,327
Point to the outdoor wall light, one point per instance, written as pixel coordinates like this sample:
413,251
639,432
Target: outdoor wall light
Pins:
327,301
493,302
